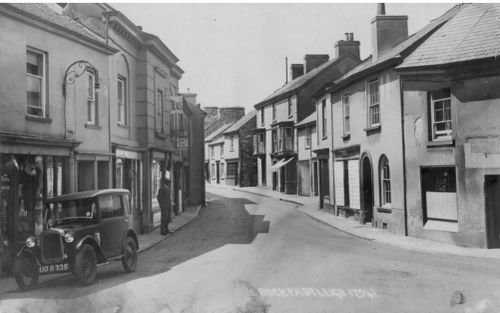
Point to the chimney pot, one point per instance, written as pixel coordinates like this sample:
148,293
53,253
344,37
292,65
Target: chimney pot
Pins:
347,46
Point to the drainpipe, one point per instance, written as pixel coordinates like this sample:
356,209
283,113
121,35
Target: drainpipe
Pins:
404,154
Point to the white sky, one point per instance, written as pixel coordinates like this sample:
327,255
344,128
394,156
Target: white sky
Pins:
234,54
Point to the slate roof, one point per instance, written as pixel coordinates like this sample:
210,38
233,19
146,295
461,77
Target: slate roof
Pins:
400,49
308,120
474,33
241,122
48,15
300,81
218,132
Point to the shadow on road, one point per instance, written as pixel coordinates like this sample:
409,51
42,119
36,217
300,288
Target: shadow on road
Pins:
224,221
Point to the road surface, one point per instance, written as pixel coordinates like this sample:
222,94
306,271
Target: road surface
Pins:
249,253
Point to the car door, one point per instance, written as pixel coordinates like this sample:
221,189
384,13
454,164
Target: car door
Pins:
114,223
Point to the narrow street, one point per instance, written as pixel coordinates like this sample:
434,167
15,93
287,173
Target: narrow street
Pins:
242,244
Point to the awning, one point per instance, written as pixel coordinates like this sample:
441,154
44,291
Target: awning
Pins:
280,163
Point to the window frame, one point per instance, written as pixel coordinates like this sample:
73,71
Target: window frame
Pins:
43,84
371,105
346,113
159,114
122,106
385,181
91,100
262,116
448,134
231,147
307,141
290,107
274,111
324,131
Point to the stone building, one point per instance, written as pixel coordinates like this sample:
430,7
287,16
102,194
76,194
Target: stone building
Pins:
218,116
241,165
307,162
214,156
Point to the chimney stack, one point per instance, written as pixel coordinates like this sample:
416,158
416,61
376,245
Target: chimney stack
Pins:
349,45
380,8
387,31
312,61
297,70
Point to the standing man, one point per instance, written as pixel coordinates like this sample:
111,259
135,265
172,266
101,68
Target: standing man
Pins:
165,205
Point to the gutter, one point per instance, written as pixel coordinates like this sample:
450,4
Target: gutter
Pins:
405,205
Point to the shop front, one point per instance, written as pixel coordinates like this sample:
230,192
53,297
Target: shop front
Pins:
29,174
128,173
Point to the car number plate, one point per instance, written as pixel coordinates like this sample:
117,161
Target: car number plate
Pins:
53,268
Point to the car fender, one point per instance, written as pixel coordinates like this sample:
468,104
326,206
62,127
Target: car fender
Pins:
133,234
93,242
30,251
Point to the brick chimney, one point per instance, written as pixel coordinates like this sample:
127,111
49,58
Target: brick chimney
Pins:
348,45
297,70
312,61
387,31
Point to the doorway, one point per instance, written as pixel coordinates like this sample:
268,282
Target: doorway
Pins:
367,185
492,204
217,172
315,178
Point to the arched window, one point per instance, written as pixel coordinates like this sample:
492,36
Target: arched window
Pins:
385,180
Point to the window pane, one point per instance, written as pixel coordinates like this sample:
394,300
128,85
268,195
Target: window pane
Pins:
120,90
34,63
90,87
34,91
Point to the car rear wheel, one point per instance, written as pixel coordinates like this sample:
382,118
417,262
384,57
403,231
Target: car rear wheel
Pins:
129,259
86,265
26,271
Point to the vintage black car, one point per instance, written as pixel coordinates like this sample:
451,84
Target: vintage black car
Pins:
81,230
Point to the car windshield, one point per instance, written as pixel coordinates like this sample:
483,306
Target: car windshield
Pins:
67,211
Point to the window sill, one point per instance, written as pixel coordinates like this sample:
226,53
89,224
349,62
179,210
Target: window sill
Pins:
448,226
122,125
38,119
290,116
346,137
441,143
373,129
93,126
324,138
308,148
160,135
384,210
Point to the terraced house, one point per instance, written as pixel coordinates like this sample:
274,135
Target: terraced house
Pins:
403,126
278,114
80,111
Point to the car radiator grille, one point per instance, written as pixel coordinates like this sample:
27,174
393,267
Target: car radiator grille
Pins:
51,247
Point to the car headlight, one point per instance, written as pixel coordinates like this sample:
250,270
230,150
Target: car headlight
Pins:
69,237
30,242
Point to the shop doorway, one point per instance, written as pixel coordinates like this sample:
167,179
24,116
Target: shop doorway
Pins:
492,203
367,186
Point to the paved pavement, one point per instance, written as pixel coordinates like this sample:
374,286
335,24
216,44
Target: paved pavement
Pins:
146,242
310,206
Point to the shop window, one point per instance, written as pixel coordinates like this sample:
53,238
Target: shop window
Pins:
232,169
439,193
275,140
119,173
36,83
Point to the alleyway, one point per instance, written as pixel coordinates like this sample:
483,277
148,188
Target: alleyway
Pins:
244,243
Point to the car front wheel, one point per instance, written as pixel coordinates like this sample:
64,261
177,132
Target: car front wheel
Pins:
129,259
26,271
86,265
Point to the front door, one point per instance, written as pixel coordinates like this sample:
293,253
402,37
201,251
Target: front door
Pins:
367,185
217,171
315,178
114,224
492,202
